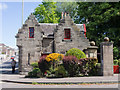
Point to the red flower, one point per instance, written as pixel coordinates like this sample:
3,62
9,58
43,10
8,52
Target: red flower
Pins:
45,73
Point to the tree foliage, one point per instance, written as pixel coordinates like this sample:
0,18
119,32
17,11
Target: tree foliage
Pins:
103,20
50,12
70,7
46,13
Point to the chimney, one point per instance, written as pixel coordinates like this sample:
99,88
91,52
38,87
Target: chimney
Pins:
62,15
65,14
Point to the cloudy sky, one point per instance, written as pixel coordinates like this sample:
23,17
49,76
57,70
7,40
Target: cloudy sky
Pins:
11,19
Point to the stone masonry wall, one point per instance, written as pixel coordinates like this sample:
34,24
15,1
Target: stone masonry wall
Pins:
77,40
31,47
47,44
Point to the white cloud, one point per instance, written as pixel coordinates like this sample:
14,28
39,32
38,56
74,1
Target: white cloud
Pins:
3,6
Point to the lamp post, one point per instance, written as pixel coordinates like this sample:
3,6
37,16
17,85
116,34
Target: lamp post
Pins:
22,10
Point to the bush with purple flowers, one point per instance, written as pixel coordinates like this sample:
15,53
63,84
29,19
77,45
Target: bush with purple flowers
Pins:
43,64
71,65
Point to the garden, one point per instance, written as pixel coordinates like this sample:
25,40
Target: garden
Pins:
73,64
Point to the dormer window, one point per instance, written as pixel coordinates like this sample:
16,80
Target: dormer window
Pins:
67,33
31,32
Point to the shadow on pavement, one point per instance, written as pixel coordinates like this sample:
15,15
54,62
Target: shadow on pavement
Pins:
8,71
6,63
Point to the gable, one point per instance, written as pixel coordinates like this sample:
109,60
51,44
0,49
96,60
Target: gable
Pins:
70,35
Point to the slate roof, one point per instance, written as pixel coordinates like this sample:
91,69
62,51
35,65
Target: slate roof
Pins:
48,28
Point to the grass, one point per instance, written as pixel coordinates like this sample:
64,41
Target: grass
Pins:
82,83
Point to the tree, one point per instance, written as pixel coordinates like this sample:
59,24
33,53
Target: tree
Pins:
116,53
50,12
70,7
101,19
45,13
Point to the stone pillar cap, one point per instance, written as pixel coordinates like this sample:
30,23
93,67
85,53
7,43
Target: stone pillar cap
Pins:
106,39
92,43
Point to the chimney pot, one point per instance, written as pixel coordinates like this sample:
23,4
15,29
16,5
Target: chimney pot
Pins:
65,14
62,15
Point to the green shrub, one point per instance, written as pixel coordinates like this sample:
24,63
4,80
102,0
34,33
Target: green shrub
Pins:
34,65
98,69
87,66
3,53
61,72
119,62
35,73
116,52
98,65
57,72
116,62
76,52
51,72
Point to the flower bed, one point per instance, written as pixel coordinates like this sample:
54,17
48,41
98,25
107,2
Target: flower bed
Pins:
57,65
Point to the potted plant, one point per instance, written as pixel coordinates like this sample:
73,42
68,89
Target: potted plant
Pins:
116,67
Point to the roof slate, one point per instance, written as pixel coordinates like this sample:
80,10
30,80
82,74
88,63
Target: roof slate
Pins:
48,28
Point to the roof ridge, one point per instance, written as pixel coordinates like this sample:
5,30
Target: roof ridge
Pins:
49,23
54,24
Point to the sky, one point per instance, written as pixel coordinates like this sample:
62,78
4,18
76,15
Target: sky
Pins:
11,20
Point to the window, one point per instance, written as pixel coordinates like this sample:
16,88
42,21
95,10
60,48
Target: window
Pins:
31,32
67,34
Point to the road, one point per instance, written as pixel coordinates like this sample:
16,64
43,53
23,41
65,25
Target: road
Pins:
5,69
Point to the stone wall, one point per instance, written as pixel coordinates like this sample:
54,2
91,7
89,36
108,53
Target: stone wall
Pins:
30,48
47,45
77,39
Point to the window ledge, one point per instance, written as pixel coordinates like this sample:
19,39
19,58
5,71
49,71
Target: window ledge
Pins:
67,40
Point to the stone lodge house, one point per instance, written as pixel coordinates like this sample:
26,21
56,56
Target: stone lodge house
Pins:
35,39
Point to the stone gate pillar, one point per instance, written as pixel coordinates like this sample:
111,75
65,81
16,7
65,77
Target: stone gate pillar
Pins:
106,49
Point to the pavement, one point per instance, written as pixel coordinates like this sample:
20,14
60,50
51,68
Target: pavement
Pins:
15,78
7,76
